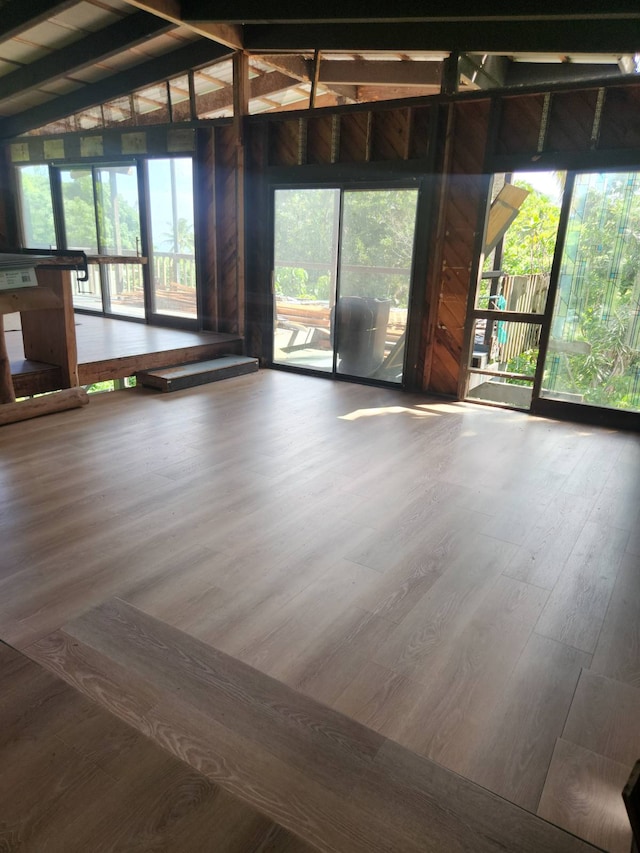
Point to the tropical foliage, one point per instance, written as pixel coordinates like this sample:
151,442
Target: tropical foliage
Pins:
376,243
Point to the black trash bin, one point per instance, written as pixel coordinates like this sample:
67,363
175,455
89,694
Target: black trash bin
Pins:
359,331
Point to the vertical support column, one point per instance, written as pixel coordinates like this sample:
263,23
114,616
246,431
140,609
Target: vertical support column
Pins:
207,227
456,247
450,74
8,206
314,79
240,110
7,394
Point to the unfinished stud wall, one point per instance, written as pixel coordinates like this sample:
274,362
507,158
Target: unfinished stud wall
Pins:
458,142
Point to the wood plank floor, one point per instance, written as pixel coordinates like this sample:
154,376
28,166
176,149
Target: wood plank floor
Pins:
444,574
75,778
335,783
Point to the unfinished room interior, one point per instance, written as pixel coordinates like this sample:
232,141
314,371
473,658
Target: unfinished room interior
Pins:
319,410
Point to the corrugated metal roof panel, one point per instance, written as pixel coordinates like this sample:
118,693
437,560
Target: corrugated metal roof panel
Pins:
86,16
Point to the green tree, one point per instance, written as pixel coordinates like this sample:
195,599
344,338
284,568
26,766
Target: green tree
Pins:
598,306
37,209
530,242
376,239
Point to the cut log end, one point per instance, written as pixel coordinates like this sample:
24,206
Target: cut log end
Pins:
59,401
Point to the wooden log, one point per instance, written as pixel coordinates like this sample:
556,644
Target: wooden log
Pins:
7,394
59,401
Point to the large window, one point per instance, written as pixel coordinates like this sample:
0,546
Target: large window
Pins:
342,274
103,208
101,217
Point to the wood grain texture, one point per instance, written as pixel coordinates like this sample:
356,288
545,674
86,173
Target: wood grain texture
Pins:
514,755
583,794
605,718
578,603
346,540
548,545
77,778
617,654
319,774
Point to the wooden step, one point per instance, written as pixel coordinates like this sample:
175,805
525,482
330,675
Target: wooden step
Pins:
328,779
76,778
198,373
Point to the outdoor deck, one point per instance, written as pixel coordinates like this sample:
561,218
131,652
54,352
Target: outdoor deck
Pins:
113,349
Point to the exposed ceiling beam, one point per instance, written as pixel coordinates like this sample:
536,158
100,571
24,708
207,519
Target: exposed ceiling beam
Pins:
267,84
341,11
171,10
504,37
148,73
294,66
128,32
536,73
388,93
329,99
362,72
302,70
18,17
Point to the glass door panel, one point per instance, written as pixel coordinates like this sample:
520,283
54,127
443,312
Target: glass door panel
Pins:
36,207
376,252
78,204
593,356
507,319
119,226
80,227
172,246
304,279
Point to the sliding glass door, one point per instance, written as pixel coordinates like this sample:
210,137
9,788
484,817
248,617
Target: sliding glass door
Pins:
135,222
342,274
593,353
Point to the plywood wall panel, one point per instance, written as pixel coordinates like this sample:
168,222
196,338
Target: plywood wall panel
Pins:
571,120
420,130
284,143
355,135
520,122
460,211
390,135
620,126
320,137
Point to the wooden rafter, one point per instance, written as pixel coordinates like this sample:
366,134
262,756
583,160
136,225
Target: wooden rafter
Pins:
226,34
149,73
124,34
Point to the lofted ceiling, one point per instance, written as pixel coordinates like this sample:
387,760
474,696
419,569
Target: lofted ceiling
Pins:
77,64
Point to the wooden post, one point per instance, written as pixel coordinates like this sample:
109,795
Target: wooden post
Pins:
49,334
240,110
7,394
314,79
